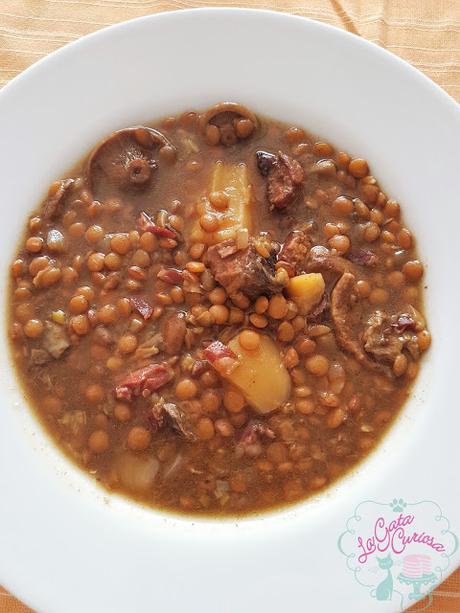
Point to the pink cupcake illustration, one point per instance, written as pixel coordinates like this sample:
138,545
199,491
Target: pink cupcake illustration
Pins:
416,572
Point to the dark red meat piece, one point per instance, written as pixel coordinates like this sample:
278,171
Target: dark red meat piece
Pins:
363,257
146,224
174,415
142,306
284,179
227,248
294,251
171,275
217,350
146,379
173,331
245,270
254,430
404,322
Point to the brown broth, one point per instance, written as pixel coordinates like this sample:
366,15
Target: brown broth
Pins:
326,426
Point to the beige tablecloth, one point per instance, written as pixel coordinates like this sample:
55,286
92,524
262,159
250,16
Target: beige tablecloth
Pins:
426,33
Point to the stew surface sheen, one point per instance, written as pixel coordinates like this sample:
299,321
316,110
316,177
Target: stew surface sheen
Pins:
218,314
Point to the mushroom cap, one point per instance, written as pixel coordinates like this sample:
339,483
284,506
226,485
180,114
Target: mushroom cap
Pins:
225,109
223,115
125,161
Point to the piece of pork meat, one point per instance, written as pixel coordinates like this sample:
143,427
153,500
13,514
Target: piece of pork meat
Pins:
56,196
173,331
294,251
244,270
386,336
55,340
320,259
143,381
362,257
284,178
172,414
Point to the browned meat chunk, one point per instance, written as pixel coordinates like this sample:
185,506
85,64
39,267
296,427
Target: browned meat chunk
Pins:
346,320
146,224
199,367
56,195
362,257
294,251
142,306
173,331
173,276
254,430
321,260
250,441
378,340
143,381
173,415
265,162
411,319
227,248
404,322
216,351
385,337
55,340
285,175
244,270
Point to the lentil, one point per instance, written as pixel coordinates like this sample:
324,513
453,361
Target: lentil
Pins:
317,365
139,438
249,340
98,441
186,389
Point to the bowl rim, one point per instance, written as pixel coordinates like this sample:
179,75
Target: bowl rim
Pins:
230,10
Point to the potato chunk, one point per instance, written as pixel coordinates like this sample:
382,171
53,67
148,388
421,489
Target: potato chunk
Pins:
233,180
261,375
306,290
136,473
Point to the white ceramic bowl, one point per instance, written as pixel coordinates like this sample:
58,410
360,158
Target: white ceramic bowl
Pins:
67,546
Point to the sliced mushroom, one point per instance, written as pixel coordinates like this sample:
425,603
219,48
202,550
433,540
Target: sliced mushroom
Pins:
125,160
227,123
294,251
346,321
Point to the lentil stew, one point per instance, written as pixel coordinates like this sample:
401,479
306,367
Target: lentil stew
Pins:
218,314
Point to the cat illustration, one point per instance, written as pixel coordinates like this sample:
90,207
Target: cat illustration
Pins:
384,590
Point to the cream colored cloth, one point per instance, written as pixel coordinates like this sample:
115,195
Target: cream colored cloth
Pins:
426,33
